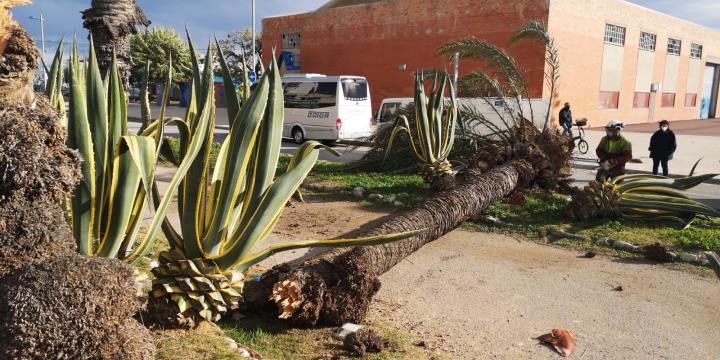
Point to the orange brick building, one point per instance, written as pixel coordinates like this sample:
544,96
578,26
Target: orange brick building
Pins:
618,60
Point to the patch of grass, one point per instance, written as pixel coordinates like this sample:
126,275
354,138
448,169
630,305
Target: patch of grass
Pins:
160,244
206,342
175,146
542,212
275,340
409,189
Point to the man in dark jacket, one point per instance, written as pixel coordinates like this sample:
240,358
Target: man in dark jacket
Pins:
662,147
566,120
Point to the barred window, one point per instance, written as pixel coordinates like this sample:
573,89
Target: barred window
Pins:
291,41
647,41
614,34
674,46
695,51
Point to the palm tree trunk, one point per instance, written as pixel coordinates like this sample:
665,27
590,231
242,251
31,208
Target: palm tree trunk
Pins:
111,23
18,58
338,286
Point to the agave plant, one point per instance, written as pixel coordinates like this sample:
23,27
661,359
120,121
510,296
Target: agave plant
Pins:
435,130
53,87
108,206
640,197
229,207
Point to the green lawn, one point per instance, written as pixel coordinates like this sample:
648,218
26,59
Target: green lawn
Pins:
541,212
409,189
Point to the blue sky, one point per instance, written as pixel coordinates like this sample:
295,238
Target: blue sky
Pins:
221,16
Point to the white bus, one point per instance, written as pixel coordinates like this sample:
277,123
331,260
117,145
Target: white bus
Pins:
326,108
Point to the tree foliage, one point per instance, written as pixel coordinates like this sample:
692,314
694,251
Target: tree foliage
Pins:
156,46
236,47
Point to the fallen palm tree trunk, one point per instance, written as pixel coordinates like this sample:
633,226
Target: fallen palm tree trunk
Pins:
338,286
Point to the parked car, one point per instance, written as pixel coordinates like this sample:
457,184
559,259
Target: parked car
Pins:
492,109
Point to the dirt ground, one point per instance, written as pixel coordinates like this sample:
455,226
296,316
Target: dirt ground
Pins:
480,295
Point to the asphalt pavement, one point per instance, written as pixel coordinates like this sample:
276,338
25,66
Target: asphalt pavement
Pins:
347,152
689,148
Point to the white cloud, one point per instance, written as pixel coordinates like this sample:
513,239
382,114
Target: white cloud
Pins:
703,12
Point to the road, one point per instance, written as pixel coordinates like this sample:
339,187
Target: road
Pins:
347,153
707,193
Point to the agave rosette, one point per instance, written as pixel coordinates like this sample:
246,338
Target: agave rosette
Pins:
642,197
107,208
228,208
435,129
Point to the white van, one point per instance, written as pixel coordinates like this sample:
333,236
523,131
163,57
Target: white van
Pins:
389,109
327,108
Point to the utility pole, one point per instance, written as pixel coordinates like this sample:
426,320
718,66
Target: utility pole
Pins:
253,36
42,39
456,70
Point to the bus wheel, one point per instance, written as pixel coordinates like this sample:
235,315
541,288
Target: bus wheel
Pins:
298,136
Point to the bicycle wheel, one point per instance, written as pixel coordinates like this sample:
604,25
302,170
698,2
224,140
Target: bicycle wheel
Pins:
583,146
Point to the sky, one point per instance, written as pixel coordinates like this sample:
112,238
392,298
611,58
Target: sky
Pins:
219,17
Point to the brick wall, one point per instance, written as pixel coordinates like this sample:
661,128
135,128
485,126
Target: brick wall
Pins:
373,40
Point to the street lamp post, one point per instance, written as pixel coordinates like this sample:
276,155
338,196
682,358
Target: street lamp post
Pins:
42,39
253,35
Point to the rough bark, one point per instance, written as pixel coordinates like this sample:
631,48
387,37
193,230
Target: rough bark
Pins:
18,58
338,286
111,23
6,21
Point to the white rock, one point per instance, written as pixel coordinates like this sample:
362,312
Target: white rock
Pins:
154,264
398,204
375,197
691,258
243,353
391,199
603,242
359,192
231,343
620,245
345,330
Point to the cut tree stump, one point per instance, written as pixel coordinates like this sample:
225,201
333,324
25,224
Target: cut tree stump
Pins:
338,286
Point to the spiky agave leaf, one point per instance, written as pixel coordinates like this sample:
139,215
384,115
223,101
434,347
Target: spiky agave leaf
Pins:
53,88
228,212
433,137
640,197
118,168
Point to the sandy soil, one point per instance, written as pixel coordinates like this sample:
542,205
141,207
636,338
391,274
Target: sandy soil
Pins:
480,295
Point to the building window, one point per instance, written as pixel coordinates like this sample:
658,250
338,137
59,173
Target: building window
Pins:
695,51
690,100
647,41
291,41
614,34
608,100
641,100
674,46
668,100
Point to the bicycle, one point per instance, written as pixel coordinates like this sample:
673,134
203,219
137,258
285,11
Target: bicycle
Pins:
581,145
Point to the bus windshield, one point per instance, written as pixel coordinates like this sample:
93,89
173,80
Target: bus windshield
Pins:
355,89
